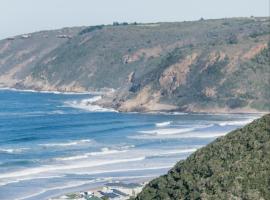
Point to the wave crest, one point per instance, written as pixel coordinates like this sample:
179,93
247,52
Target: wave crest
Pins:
73,166
64,144
13,151
171,131
104,151
235,123
87,104
162,124
203,135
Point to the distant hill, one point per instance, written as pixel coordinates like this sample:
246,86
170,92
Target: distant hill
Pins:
236,166
207,65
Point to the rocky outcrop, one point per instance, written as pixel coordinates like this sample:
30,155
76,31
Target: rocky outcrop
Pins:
144,101
176,74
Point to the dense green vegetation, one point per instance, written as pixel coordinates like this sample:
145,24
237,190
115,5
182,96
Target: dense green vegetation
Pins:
236,166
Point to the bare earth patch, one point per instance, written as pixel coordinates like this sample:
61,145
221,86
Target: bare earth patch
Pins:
176,74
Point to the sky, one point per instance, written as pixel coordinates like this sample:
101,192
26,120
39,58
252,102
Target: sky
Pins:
25,16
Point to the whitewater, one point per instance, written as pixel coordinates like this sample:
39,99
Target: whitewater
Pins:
52,143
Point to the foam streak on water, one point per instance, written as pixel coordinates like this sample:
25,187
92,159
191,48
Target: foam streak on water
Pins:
53,142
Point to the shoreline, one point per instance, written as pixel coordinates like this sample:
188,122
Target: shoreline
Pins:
50,91
165,112
86,181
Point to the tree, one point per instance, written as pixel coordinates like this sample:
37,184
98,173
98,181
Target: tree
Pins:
232,39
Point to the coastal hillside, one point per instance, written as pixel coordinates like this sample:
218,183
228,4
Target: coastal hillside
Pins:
198,66
19,55
236,166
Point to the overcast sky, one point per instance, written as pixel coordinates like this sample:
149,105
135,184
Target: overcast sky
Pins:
23,16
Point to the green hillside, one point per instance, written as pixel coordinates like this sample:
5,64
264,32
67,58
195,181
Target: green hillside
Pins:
218,65
236,166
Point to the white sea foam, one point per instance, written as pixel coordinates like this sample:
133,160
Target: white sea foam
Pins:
104,151
69,143
69,185
205,135
127,147
78,157
29,178
179,136
162,124
171,131
235,123
54,168
13,151
85,173
87,104
123,170
175,130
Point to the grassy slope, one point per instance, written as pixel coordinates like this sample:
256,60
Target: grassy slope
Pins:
23,54
236,166
104,56
95,59
246,86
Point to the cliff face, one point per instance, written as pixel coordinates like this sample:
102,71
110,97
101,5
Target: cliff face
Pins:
208,65
232,167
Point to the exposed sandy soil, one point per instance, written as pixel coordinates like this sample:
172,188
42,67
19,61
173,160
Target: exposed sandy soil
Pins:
175,75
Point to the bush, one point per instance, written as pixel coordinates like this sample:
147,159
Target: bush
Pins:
232,39
236,103
91,29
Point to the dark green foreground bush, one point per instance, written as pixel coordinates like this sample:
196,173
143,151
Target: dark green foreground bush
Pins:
236,166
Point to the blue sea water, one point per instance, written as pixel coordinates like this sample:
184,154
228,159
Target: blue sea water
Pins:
54,143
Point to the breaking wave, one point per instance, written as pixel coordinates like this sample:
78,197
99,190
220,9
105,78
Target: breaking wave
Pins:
87,104
64,144
54,168
124,170
69,185
203,135
162,124
29,178
104,151
171,131
13,151
235,123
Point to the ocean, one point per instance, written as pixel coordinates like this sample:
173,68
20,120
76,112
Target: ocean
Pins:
54,143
